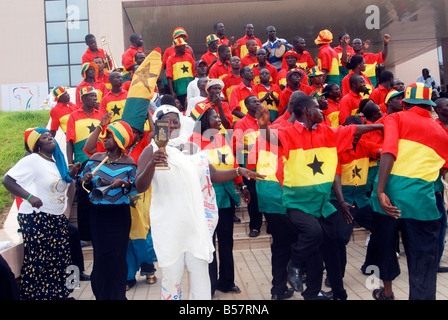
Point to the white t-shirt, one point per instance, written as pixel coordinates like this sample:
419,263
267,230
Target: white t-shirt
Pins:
42,179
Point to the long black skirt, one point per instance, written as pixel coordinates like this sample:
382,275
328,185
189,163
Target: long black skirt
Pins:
46,256
109,226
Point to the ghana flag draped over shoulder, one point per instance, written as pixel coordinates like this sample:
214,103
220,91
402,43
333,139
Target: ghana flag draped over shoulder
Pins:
141,90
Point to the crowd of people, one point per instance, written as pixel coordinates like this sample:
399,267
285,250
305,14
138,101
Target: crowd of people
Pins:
318,145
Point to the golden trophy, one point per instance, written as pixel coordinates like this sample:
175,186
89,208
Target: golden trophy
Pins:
161,137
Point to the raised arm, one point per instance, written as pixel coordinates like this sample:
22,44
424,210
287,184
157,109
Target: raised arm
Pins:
364,128
91,143
265,132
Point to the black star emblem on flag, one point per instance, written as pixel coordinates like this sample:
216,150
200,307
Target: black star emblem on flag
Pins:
133,200
92,128
355,172
116,110
269,101
316,165
184,69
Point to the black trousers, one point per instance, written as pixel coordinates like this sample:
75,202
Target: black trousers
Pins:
363,216
317,242
75,247
256,218
83,210
225,279
284,234
421,244
110,226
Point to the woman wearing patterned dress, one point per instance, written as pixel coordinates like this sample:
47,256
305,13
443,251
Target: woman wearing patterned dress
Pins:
41,179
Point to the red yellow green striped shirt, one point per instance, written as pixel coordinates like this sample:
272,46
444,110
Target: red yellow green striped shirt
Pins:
311,159
419,146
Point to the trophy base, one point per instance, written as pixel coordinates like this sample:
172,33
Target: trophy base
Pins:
162,167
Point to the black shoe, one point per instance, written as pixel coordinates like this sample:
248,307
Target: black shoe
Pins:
84,277
442,269
254,233
236,219
232,289
285,295
295,278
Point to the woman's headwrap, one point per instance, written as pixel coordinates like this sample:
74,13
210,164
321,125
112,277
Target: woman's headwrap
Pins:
186,124
31,137
122,133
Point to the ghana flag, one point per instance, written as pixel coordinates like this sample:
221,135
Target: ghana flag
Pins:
141,90
418,144
310,159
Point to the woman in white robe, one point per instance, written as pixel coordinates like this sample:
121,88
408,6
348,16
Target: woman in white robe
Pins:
183,207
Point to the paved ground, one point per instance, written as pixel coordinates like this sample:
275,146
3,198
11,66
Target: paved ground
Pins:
253,276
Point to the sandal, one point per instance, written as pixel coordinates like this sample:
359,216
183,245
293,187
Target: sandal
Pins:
378,294
151,278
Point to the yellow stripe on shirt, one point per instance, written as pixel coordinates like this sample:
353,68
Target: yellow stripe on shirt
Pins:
415,160
310,167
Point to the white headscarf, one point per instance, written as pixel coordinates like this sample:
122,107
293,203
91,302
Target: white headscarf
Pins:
186,125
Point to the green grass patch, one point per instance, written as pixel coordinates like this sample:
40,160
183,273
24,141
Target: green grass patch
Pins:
12,129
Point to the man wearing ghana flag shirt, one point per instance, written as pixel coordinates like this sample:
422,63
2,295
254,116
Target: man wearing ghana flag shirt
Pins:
115,100
80,124
269,194
304,59
310,156
328,59
372,59
245,133
414,151
61,111
350,191
180,71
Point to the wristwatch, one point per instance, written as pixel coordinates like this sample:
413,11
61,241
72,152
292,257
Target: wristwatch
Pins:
243,187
